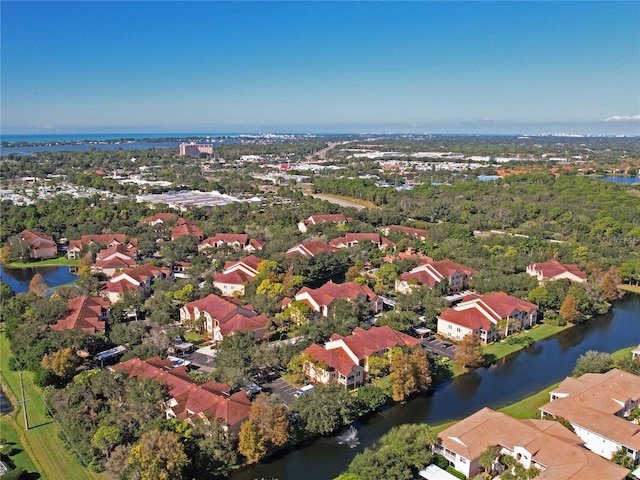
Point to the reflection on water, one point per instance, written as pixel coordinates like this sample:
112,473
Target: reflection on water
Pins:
18,278
514,378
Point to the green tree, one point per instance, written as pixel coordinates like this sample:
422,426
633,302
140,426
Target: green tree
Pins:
235,358
378,366
325,409
159,455
622,458
489,458
62,362
593,362
106,438
251,444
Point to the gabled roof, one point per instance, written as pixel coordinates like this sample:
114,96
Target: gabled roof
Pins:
415,232
117,250
82,314
364,343
186,229
141,273
330,292
256,244
434,271
351,238
160,218
228,238
594,400
549,444
106,238
187,398
115,262
37,240
333,218
229,316
476,311
553,268
361,344
311,249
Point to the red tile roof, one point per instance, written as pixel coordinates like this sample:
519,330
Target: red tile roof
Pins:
189,398
229,316
37,239
416,232
334,218
330,292
553,268
186,229
312,248
160,217
83,314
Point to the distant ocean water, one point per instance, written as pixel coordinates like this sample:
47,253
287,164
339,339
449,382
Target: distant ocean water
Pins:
102,137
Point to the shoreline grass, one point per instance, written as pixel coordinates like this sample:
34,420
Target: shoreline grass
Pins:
498,350
61,261
41,442
629,288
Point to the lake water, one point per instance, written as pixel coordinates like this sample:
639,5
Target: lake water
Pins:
615,179
511,379
19,278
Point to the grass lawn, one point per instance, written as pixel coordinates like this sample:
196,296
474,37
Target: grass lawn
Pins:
19,457
622,354
61,261
528,407
41,442
498,350
630,288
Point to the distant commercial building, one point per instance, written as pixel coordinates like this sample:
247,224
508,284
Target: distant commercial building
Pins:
193,148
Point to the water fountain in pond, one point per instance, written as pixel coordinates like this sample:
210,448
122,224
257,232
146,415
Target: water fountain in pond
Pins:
350,437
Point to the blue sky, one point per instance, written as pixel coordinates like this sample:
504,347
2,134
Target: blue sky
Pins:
450,67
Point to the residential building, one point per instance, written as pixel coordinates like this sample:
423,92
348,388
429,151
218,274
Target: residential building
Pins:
345,360
115,259
352,239
160,218
635,353
190,401
320,299
89,314
235,275
412,232
432,272
337,218
186,229
596,405
311,249
40,245
486,316
180,269
222,317
554,270
134,279
237,241
547,445
108,240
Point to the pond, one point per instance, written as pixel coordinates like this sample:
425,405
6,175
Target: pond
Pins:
511,379
18,278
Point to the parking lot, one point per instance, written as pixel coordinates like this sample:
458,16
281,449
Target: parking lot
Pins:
442,348
282,389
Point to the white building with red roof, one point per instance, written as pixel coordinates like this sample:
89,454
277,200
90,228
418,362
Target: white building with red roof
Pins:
432,272
353,239
159,219
547,445
320,299
222,317
311,249
554,270
113,259
412,232
187,229
337,218
187,400
237,241
136,279
40,245
597,406
480,315
89,314
235,275
345,360
107,239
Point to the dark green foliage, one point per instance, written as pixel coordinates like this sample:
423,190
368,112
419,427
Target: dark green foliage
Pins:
371,398
325,409
593,362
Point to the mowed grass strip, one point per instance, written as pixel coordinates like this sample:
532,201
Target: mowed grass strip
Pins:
498,350
42,442
9,435
61,261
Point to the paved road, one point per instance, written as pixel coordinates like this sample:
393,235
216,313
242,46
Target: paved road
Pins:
338,201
